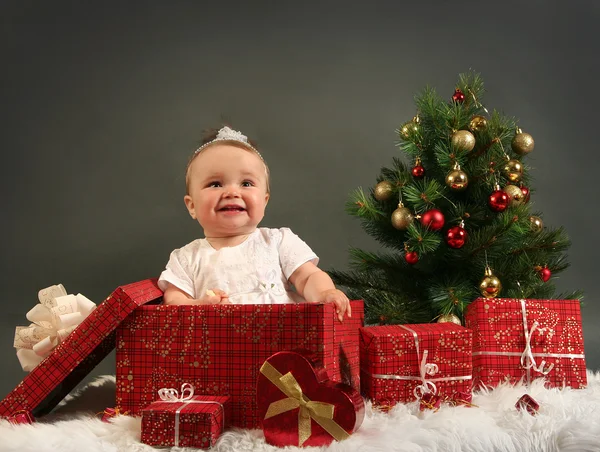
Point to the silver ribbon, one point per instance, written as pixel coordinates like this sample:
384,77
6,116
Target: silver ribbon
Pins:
171,395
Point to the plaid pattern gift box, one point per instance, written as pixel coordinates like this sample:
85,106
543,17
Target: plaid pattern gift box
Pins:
219,349
52,379
185,420
526,339
402,363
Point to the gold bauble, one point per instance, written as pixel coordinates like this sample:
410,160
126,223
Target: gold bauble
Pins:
477,123
536,223
449,318
410,129
522,143
463,140
383,190
515,194
490,286
513,170
402,217
457,179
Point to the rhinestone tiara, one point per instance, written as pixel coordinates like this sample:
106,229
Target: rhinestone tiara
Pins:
228,134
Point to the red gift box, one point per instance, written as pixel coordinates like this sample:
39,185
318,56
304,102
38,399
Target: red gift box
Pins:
51,380
401,363
526,339
219,349
186,421
300,406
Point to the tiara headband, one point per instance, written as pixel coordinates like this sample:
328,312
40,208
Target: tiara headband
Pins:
228,134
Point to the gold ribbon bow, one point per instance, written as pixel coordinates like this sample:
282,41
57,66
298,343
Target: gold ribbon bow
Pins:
321,412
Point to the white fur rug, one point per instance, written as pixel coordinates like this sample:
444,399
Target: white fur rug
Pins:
568,420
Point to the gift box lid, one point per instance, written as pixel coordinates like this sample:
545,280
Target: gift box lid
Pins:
393,349
51,380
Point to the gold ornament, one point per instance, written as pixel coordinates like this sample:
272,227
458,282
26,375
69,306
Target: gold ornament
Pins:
490,286
449,318
477,123
515,194
402,217
383,190
522,143
457,179
410,129
536,223
513,170
463,140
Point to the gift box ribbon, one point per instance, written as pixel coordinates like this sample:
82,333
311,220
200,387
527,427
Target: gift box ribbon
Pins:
527,356
54,318
321,412
171,395
427,384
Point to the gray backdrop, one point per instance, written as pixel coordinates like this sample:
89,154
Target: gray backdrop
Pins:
103,102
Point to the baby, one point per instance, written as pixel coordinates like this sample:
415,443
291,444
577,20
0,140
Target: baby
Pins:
227,192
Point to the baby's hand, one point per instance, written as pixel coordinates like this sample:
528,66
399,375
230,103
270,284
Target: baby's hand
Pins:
339,298
214,296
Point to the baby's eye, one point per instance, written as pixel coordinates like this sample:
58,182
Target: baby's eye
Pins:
214,184
247,183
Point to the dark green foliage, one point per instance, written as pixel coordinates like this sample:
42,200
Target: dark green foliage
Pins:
446,280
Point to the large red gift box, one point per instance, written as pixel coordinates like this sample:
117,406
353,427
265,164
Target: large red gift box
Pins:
400,363
525,339
219,349
197,421
300,406
51,380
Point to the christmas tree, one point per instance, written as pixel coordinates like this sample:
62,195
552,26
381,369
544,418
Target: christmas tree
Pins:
458,222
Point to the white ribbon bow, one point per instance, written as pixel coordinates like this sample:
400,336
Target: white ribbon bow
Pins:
527,358
57,315
172,395
426,369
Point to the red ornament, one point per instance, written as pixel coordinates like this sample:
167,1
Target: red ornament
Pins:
411,257
21,417
286,382
433,219
430,401
456,237
545,274
499,201
526,193
109,413
528,403
458,96
418,171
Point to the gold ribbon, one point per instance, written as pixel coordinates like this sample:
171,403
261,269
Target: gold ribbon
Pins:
321,412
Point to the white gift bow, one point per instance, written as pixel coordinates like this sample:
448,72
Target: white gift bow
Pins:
527,358
425,369
54,318
187,392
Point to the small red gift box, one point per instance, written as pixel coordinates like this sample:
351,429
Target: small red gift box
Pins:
185,421
51,380
526,402
219,349
21,417
300,406
526,339
401,363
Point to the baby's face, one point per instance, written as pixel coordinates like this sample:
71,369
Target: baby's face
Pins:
227,190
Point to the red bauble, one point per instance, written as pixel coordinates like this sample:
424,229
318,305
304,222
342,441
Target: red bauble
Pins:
499,201
418,171
526,193
545,274
458,96
433,219
411,257
456,237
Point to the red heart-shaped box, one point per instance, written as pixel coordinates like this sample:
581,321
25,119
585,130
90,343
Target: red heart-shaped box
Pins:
300,406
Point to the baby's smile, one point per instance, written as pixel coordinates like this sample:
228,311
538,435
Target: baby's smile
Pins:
231,208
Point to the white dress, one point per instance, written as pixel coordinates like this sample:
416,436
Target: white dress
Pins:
254,272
